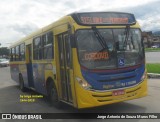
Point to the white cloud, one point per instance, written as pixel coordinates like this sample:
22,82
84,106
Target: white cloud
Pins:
21,17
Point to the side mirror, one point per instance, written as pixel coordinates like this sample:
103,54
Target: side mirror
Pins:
71,37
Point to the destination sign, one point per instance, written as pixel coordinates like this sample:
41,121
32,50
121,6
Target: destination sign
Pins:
105,18
101,20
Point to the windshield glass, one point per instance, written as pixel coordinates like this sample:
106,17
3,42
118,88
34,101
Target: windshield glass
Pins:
109,48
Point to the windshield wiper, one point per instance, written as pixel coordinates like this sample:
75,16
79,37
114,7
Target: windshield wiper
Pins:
127,29
100,39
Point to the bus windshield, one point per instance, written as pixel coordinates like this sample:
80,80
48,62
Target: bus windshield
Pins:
109,48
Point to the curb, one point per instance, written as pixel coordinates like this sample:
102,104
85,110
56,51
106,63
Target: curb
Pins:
153,75
152,51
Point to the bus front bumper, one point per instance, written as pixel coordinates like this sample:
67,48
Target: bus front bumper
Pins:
86,98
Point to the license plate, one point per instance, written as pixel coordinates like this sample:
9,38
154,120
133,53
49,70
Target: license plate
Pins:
118,92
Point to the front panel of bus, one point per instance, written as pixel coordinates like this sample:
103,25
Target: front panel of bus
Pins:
109,61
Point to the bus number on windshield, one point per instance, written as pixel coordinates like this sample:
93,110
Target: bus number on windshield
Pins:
96,56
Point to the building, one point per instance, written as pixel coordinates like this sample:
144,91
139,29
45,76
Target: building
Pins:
147,39
150,39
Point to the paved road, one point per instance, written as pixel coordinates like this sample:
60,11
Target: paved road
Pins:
152,57
10,95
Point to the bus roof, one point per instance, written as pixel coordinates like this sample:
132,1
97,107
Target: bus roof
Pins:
87,19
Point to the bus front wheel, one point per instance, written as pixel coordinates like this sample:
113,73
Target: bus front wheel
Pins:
53,95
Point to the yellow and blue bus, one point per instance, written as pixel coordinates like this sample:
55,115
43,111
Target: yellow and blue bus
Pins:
85,59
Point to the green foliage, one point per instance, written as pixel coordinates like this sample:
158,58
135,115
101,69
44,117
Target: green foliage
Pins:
4,51
152,49
153,68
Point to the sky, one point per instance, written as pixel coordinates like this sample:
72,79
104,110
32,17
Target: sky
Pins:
18,18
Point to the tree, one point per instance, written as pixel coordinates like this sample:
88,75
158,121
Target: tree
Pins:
4,52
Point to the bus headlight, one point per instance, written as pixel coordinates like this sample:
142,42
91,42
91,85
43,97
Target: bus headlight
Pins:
83,84
143,76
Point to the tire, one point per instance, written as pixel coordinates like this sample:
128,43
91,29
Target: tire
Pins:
21,84
53,95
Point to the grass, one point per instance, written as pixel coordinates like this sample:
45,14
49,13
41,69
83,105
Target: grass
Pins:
153,68
152,49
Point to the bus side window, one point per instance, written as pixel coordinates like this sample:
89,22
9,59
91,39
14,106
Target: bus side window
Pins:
37,48
17,53
47,40
11,54
22,52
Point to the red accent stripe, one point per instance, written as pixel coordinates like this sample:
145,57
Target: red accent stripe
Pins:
113,70
13,65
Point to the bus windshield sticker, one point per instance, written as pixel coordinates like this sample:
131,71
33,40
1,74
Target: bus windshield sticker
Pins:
121,62
96,56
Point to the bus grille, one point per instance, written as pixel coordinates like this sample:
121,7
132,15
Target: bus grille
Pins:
116,79
110,97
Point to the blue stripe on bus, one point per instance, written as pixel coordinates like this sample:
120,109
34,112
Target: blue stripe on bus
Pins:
106,81
30,75
39,77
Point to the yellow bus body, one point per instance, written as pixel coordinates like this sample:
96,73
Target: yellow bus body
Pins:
81,98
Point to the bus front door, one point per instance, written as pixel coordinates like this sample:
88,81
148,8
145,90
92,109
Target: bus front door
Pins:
29,66
65,59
